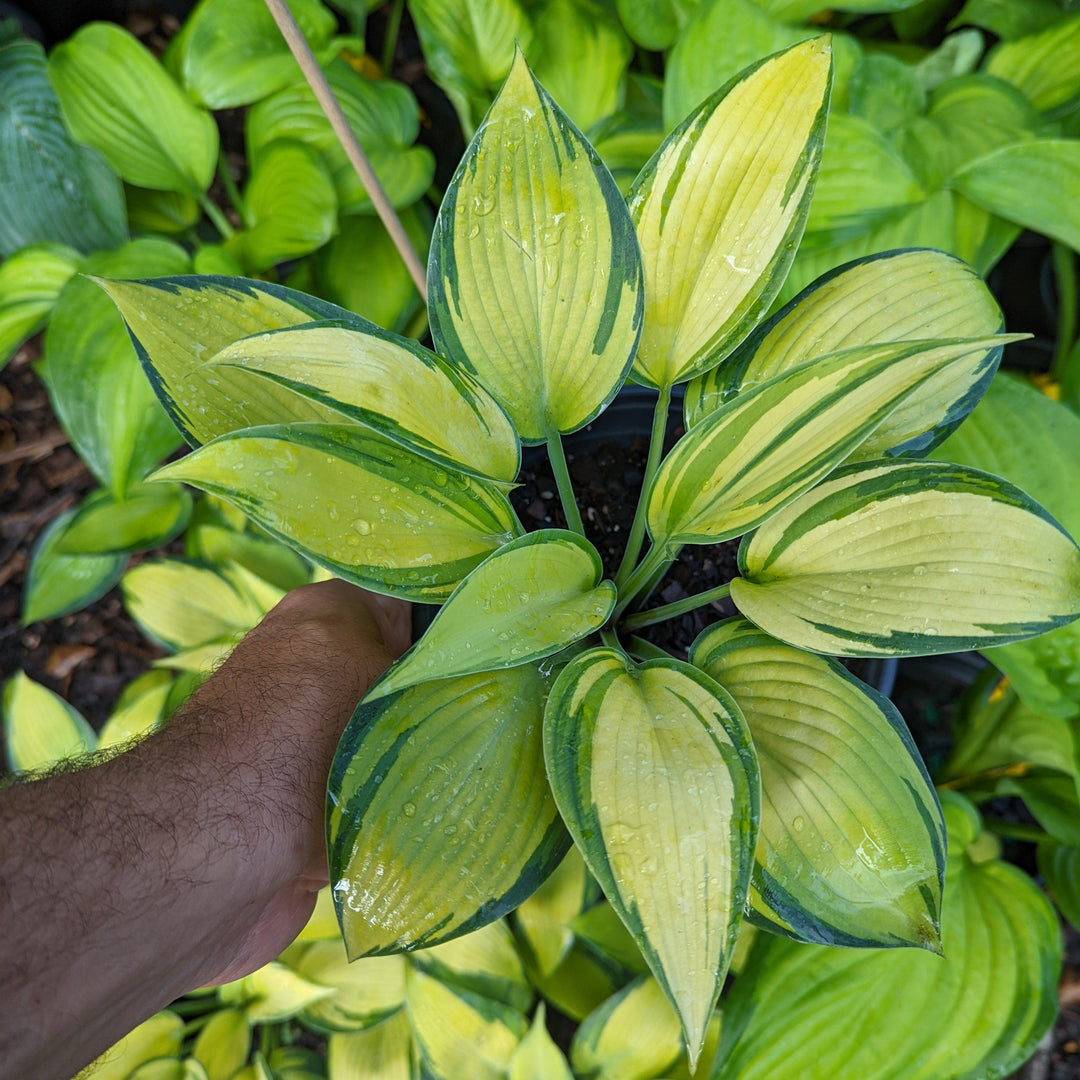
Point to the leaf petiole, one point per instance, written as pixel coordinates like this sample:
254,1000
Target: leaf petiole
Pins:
214,213
678,607
562,480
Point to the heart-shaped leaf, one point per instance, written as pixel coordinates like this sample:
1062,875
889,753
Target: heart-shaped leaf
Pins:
852,846
439,817
908,559
654,773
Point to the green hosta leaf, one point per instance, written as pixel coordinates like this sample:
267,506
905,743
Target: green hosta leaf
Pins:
380,1053
159,1037
581,983
58,584
170,212
654,773
460,1033
634,1035
296,1063
530,599
626,141
1044,65
440,792
534,278
1054,802
955,57
860,304
601,930
117,98
886,91
1013,433
1059,865
537,1057
216,259
97,387
267,559
654,24
223,1045
230,52
385,118
51,189
183,605
1035,183
392,385
718,40
139,710
1009,20
469,48
907,560
852,847
273,993
40,727
715,253
815,1013
484,961
543,920
581,58
180,323
147,517
289,204
30,282
756,453
798,10
367,991
357,504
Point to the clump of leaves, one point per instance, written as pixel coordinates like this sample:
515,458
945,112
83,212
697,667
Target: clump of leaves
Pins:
758,777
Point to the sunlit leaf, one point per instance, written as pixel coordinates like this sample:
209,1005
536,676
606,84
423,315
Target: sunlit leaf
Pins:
40,727
580,984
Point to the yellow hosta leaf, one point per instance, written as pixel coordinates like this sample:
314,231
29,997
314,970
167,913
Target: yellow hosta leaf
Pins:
534,278
138,716
323,924
384,1052
159,1037
40,727
272,993
721,207
367,991
544,919
537,1057
223,1045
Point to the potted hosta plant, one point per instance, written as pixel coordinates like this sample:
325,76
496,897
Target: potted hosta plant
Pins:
760,780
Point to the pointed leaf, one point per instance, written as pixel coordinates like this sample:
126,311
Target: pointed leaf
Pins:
367,991
908,560
543,920
223,1045
149,516
888,298
272,993
117,98
30,282
390,384
720,208
1044,65
357,504
40,727
140,714
534,277
159,1037
756,453
852,845
654,773
380,1053
537,1057
439,816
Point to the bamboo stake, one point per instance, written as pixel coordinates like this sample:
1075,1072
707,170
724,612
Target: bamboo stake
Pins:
294,38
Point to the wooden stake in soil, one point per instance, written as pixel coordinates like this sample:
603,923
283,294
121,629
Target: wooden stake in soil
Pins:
294,38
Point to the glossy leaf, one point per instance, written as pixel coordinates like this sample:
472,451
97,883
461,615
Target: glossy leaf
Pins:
30,282
439,816
357,504
534,277
537,1057
756,453
543,920
273,993
1059,865
390,384
367,991
815,1013
528,600
117,98
58,584
716,254
632,1036
384,1052
52,190
223,1045
1044,65
40,727
852,846
97,387
888,298
159,1037
139,710
908,560
149,516
1013,433
654,773
230,52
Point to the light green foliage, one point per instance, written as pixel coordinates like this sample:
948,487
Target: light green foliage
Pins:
40,728
147,517
30,282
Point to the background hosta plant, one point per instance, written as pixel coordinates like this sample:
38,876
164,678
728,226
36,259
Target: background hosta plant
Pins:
530,716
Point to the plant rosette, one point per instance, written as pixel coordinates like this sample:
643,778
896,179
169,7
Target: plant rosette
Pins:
760,777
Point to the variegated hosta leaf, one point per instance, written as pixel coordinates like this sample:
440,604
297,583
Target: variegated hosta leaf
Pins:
40,728
357,504
908,559
654,773
138,711
773,442
381,1053
808,1012
895,296
852,846
581,983
461,1033
439,815
149,516
366,992
273,993
531,598
390,384
534,278
159,1037
180,323
224,1044
537,1057
543,920
633,1035
601,929
720,209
